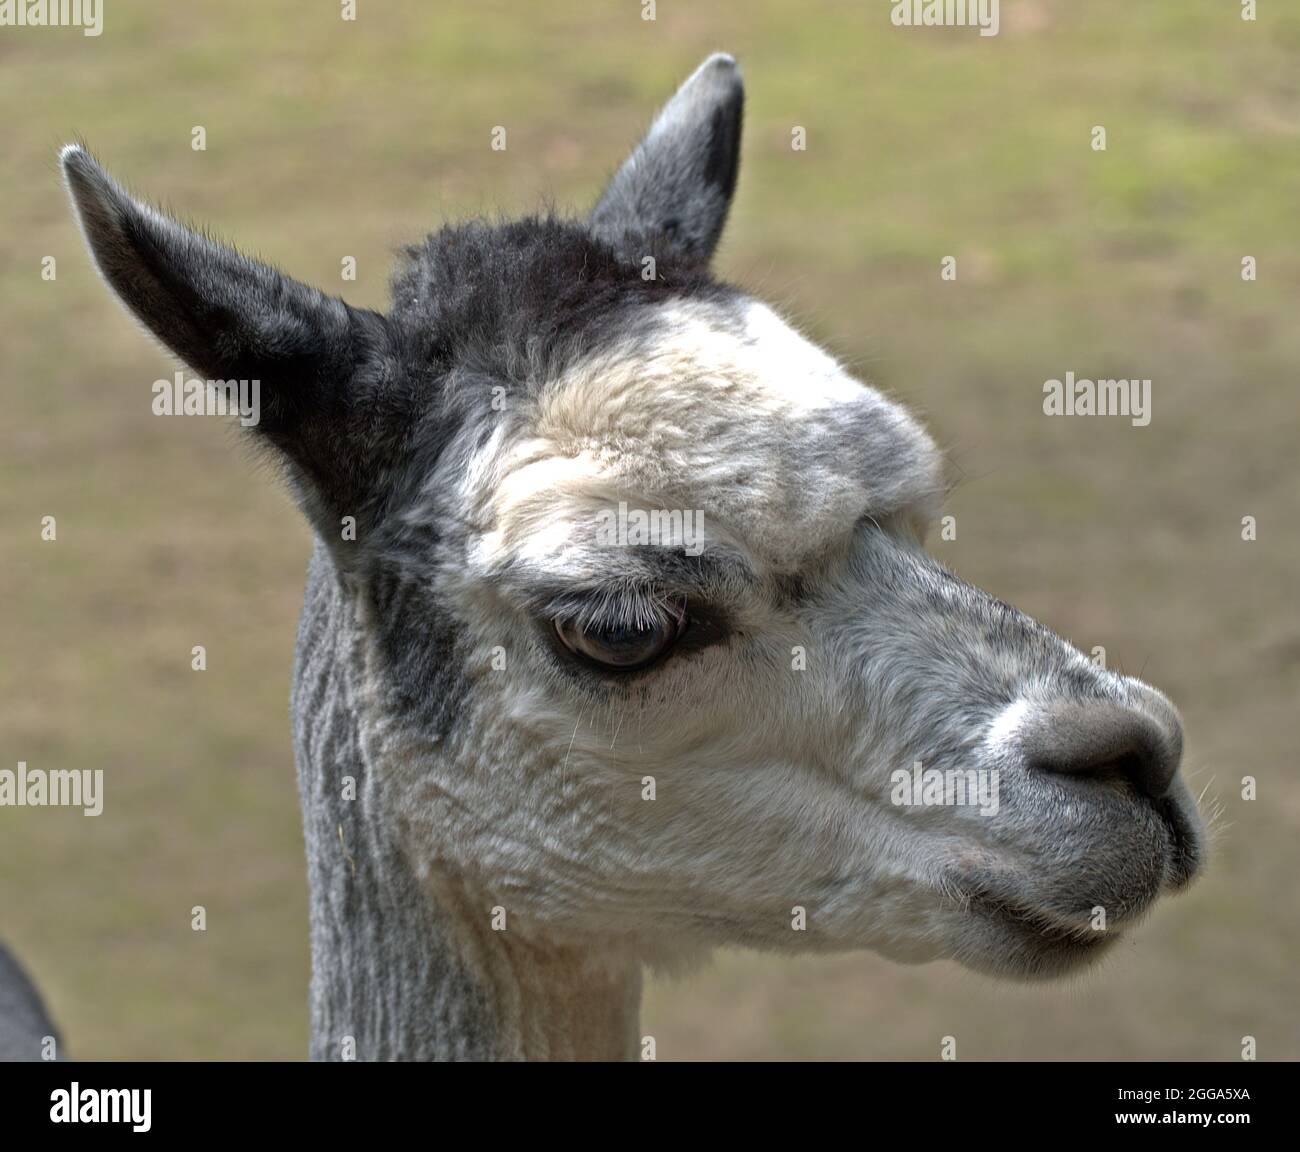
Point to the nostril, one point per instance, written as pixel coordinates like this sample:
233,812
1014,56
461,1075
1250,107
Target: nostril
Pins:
1104,740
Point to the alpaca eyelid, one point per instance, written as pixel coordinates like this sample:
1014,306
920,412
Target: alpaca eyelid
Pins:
643,615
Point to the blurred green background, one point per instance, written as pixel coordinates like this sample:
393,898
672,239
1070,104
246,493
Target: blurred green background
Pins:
328,139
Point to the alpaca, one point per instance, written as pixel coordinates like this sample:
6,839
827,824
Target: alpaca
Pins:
26,1032
533,760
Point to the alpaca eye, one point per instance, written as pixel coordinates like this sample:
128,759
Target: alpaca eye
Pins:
622,647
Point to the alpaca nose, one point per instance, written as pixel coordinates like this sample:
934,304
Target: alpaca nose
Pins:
1140,741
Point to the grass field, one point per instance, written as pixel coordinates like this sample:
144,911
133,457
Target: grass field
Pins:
328,139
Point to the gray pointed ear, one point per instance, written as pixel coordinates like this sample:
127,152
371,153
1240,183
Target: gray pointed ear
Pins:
319,362
676,187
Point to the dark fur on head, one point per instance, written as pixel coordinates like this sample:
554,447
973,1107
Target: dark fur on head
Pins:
359,405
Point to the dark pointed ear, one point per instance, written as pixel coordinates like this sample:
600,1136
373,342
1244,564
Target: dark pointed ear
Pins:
320,363
676,186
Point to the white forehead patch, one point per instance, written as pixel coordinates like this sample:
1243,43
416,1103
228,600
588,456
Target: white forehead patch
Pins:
721,410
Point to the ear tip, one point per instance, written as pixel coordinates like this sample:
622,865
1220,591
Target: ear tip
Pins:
720,72
74,157
715,84
80,169
721,61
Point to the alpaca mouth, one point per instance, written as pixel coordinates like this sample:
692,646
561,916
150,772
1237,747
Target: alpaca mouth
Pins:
1010,933
1029,941
1185,850
1039,923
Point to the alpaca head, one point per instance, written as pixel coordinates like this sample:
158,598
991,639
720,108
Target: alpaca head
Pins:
645,644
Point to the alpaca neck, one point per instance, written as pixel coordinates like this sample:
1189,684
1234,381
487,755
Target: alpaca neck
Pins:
548,1001
408,967
413,976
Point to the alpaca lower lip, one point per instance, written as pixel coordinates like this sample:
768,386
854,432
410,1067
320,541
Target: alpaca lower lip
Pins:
1037,938
1028,942
1067,918
1042,925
